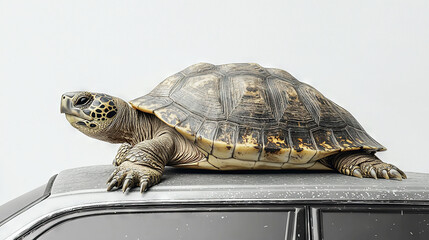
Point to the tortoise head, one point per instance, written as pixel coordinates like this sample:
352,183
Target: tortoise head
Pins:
91,113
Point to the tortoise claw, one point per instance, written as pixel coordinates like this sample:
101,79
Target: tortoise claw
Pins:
143,186
127,183
357,173
404,176
395,174
384,174
112,184
111,176
129,174
373,173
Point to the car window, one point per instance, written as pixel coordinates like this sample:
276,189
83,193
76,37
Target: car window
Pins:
174,225
391,225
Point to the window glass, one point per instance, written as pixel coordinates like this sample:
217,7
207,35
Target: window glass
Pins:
375,225
174,225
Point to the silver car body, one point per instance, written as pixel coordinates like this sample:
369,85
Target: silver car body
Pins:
81,191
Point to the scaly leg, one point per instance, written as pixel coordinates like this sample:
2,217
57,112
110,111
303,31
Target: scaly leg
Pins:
122,151
142,165
363,164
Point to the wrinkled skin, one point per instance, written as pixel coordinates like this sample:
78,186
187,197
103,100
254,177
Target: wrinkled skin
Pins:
148,144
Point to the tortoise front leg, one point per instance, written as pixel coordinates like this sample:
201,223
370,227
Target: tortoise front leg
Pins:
122,151
363,164
141,165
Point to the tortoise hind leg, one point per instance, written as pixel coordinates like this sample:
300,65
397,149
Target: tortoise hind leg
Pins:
363,164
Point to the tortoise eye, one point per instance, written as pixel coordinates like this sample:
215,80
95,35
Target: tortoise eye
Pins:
82,101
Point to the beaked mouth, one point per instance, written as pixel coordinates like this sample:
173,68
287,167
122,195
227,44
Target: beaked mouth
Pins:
73,118
68,108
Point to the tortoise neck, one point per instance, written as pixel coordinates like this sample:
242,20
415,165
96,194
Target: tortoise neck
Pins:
132,126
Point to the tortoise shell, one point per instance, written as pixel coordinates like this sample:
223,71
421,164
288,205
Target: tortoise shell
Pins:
247,112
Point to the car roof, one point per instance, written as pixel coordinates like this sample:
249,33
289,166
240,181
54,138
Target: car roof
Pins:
84,189
184,185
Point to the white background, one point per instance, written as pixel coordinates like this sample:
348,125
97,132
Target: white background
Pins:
370,57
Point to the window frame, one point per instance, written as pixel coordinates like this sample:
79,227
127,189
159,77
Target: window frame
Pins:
315,212
297,222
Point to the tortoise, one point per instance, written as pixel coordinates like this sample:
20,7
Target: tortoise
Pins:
226,117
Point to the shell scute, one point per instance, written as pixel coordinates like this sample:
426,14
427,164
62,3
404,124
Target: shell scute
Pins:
348,117
320,108
250,100
324,140
345,140
224,142
205,135
295,113
190,126
200,94
276,147
364,140
303,148
172,114
249,144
